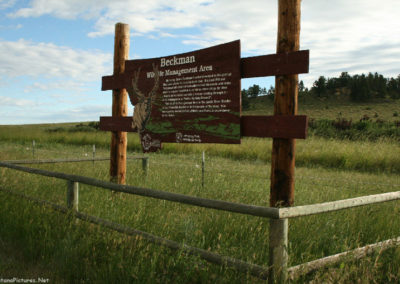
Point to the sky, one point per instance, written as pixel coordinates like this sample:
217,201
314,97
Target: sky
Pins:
53,53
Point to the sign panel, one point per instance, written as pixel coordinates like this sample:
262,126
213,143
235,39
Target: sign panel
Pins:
192,97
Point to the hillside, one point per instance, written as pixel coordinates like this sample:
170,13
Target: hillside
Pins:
332,108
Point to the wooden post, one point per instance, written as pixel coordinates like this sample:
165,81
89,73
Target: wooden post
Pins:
73,195
278,255
283,150
286,91
119,106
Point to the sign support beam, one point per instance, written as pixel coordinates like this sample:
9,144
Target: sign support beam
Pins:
286,92
119,106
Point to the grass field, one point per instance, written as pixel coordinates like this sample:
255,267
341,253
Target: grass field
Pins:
229,234
37,242
368,156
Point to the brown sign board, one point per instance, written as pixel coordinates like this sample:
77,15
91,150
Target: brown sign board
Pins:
195,97
192,97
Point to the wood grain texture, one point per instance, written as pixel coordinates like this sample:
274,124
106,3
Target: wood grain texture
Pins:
119,106
286,92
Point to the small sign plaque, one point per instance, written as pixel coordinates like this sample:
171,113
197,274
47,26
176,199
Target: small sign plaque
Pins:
187,98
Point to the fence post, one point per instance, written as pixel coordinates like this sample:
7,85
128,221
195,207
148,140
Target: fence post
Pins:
278,254
94,153
33,149
72,195
203,161
145,165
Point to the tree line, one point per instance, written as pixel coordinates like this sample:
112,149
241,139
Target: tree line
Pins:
360,88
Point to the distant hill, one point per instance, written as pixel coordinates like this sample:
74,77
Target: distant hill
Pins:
335,106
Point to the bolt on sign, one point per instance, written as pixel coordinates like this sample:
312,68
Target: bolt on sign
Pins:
192,97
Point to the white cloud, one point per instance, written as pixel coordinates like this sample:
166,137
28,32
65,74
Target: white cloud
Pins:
27,58
358,37
65,9
342,35
13,102
53,85
40,70
11,27
73,114
46,115
4,4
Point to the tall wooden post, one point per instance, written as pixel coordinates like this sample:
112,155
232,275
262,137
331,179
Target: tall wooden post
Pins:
119,106
286,91
283,150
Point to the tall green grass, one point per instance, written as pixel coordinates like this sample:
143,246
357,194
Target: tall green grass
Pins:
360,155
75,251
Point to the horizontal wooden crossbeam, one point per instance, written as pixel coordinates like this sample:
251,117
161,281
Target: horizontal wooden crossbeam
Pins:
277,126
109,123
258,66
289,63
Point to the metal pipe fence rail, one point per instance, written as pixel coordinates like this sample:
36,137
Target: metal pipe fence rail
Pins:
277,267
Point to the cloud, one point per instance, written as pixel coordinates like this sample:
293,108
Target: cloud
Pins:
13,102
73,114
341,35
52,76
64,9
27,58
5,4
53,85
63,115
11,27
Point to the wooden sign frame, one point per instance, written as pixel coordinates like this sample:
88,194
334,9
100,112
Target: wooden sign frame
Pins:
276,126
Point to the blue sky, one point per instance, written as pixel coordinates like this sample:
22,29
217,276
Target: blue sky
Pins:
54,53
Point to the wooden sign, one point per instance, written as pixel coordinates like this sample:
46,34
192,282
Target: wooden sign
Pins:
195,97
187,98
